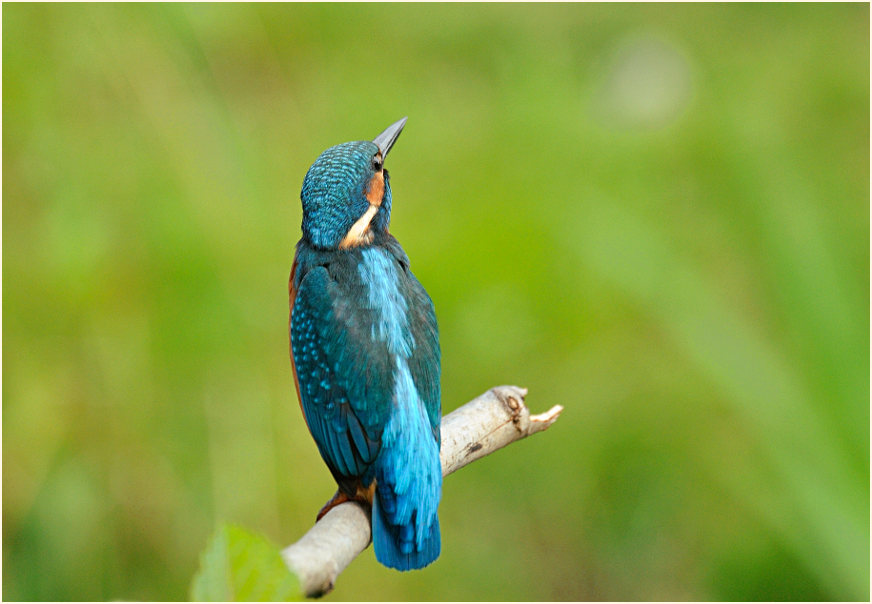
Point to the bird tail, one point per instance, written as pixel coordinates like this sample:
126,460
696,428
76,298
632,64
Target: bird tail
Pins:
396,545
405,525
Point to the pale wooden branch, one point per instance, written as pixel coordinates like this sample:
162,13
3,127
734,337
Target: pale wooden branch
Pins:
493,420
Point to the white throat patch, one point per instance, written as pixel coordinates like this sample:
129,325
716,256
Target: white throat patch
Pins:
359,232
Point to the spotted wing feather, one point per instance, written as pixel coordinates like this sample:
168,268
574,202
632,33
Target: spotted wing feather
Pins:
341,377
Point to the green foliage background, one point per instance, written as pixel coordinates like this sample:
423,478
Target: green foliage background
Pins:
657,216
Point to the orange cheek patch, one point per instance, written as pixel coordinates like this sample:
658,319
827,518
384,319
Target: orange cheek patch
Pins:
376,189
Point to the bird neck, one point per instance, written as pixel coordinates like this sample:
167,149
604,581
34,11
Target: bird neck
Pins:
309,256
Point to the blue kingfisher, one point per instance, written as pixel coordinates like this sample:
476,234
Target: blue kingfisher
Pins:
365,352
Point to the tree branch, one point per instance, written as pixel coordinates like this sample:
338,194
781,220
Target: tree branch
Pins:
490,422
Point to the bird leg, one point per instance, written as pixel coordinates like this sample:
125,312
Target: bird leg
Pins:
363,496
338,498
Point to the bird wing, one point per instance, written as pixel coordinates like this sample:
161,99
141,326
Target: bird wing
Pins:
424,363
342,375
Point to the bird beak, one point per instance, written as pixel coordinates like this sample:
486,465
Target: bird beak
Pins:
386,139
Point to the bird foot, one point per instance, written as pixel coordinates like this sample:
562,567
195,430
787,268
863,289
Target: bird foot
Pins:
338,498
363,496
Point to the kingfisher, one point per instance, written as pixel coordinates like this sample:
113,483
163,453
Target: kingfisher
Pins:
365,352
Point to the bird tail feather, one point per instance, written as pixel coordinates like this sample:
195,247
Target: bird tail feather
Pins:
395,545
405,523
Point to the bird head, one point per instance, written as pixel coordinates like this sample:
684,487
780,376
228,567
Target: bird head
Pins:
346,194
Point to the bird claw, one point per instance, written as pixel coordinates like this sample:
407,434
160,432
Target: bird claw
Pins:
363,496
338,498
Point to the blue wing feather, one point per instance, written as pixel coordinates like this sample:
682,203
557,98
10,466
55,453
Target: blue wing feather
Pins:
425,360
345,424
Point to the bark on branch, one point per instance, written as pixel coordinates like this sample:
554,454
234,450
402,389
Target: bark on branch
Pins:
493,420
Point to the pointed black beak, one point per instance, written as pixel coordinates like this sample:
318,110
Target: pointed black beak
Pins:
386,139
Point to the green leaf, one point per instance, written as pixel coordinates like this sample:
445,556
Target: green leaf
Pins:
239,565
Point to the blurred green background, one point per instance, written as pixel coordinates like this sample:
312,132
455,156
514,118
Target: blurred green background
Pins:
656,216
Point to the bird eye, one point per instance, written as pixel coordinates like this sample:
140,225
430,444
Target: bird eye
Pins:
377,162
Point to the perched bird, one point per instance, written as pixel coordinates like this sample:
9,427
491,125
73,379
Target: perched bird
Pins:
365,352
